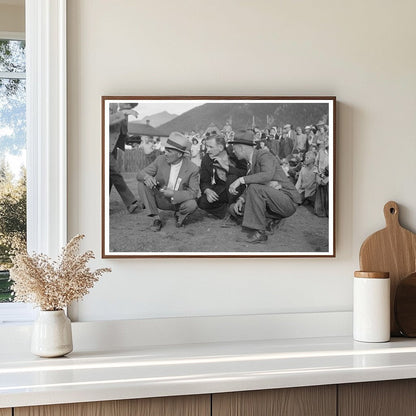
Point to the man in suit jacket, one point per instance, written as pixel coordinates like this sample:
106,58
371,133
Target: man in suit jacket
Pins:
170,182
272,142
219,168
285,146
288,128
269,196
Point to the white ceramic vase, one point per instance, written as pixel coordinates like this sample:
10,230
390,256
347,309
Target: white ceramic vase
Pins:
52,334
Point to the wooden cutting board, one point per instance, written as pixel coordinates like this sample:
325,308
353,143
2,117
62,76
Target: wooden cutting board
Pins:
393,250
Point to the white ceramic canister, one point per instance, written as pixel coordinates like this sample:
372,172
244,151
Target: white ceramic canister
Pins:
371,310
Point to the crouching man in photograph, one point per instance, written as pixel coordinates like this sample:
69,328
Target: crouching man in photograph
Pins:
269,195
170,183
219,168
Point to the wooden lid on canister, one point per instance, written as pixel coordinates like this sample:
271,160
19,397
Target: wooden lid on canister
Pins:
372,275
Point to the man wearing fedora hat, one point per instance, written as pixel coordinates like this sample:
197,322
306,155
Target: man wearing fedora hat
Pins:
170,182
269,195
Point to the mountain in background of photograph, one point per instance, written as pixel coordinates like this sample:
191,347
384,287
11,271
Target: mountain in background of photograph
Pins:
247,115
156,120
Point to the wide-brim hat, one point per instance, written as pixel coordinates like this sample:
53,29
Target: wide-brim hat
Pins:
243,137
177,141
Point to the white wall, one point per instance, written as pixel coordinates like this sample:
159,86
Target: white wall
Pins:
363,52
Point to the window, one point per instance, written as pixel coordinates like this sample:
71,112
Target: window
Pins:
46,135
12,153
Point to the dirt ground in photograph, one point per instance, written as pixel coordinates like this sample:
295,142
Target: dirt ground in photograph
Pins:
302,232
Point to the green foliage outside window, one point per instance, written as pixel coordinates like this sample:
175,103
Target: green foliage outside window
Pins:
12,144
12,223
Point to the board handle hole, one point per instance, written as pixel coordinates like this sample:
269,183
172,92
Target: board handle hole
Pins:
392,211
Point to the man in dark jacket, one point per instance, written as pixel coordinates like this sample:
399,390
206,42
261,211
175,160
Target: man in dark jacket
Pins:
119,113
219,168
272,142
269,196
285,146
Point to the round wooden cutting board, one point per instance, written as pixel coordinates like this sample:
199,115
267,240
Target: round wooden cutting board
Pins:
393,250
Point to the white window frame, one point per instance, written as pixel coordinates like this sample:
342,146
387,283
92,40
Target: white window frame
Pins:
46,133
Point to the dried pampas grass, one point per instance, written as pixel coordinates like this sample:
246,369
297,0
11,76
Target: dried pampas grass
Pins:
53,285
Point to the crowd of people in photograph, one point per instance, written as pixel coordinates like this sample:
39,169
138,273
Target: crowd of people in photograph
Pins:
253,177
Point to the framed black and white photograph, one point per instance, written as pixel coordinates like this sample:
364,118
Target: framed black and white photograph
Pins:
218,176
